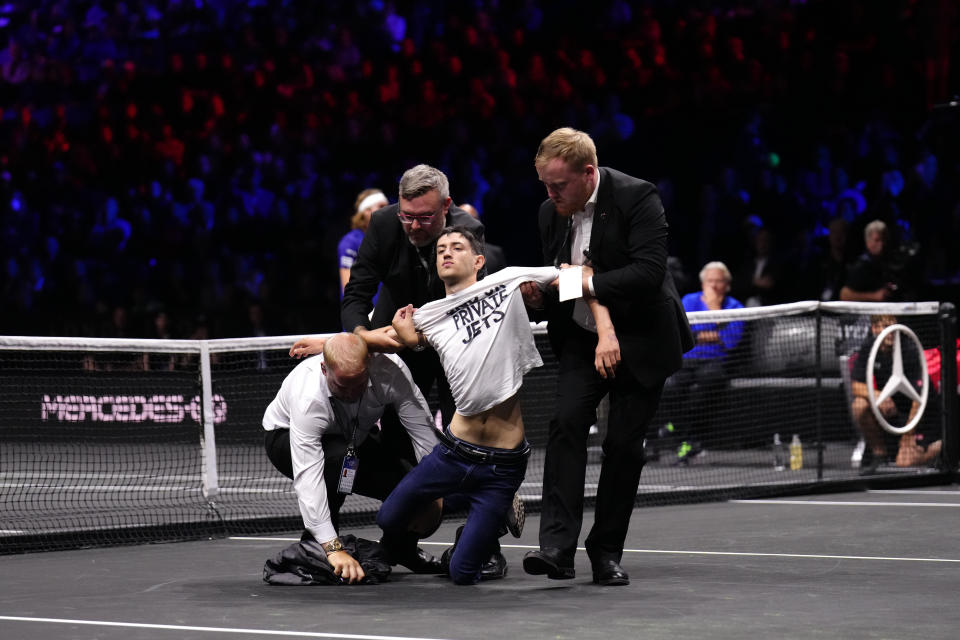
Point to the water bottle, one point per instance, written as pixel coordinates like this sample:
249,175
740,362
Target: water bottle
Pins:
779,453
796,453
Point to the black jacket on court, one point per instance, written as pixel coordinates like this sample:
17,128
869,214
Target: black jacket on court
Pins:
628,249
305,563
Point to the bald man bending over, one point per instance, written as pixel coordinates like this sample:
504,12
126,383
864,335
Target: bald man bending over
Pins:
321,431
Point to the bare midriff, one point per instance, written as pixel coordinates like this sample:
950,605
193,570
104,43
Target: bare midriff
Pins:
500,427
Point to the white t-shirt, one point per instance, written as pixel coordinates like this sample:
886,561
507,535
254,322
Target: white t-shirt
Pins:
483,337
304,406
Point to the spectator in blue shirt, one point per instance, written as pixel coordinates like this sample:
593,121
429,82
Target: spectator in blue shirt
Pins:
714,340
368,201
690,394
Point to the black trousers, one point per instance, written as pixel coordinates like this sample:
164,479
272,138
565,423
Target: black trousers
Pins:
381,468
579,390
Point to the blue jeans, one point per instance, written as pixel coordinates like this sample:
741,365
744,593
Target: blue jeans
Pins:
487,489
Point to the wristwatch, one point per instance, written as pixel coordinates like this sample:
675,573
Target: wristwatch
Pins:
421,342
333,546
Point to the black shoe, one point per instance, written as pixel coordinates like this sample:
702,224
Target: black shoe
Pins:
493,569
609,573
516,516
445,560
548,561
422,562
869,465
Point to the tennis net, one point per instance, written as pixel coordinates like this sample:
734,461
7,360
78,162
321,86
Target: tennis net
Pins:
119,441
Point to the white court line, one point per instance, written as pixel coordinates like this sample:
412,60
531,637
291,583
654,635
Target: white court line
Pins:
588,485
841,503
26,475
786,555
177,627
687,552
101,487
917,492
93,488
681,552
644,488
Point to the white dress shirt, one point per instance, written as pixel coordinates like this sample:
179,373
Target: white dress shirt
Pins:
304,405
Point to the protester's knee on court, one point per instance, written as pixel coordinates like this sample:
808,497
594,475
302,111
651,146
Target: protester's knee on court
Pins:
388,521
462,575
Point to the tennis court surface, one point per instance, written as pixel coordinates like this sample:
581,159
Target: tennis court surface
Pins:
874,564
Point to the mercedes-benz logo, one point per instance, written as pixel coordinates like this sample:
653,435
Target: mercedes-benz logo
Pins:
898,382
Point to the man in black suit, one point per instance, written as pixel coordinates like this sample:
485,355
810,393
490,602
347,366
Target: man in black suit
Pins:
614,225
399,250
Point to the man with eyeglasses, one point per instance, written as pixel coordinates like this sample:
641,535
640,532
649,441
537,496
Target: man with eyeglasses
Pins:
399,250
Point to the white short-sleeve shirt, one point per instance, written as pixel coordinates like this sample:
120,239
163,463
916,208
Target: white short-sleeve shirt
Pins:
483,337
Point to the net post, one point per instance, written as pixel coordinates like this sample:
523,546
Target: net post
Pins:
948,387
818,363
211,483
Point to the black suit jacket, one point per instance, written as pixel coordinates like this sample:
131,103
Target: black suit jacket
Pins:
628,248
386,256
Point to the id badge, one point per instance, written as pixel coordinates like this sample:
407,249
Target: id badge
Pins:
347,473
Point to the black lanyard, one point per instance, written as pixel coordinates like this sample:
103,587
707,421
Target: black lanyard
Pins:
352,436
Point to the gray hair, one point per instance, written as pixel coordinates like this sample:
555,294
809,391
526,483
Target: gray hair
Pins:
422,179
716,264
877,226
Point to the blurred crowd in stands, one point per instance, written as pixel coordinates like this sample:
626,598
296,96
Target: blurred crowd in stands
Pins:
186,168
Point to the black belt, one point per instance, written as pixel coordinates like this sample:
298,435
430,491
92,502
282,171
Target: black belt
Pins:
483,455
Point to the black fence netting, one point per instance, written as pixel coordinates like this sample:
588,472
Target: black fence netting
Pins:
109,445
